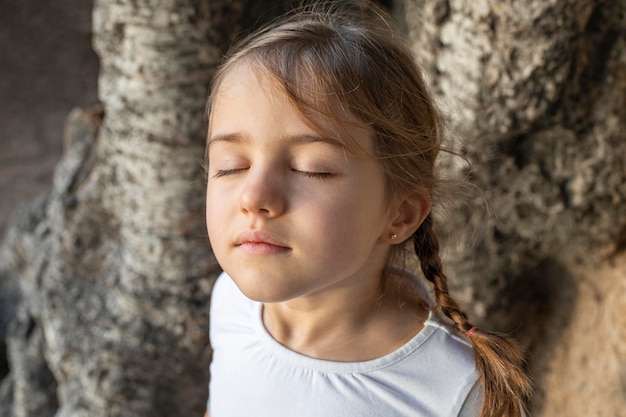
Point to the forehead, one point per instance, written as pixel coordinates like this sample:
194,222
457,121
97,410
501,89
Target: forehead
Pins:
247,83
318,110
246,101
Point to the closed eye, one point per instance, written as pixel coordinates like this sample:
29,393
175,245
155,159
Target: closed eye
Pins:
313,174
226,172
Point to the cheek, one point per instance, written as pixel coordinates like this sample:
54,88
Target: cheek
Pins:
342,220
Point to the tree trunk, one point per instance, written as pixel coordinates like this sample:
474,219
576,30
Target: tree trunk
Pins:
105,281
535,92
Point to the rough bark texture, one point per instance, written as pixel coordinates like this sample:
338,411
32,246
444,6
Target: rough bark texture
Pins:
535,92
105,280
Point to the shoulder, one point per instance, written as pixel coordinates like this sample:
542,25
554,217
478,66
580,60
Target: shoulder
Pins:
454,379
449,348
225,293
230,309
446,334
223,284
473,401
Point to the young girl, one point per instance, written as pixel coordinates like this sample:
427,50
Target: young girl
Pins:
321,150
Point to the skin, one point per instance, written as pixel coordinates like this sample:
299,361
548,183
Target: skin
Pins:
304,226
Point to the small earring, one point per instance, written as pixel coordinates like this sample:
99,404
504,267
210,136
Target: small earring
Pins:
393,236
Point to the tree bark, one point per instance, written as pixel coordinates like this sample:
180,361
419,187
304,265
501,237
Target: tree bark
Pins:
535,94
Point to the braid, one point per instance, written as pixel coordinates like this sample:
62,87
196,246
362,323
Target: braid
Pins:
498,359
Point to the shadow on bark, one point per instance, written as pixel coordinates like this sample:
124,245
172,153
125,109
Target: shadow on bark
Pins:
535,307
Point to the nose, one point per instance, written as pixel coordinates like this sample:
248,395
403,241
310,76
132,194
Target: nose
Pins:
263,194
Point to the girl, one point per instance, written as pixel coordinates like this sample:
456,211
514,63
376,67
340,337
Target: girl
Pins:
321,150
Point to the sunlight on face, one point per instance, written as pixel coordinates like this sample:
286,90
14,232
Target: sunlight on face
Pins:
289,213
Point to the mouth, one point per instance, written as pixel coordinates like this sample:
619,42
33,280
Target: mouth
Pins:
260,242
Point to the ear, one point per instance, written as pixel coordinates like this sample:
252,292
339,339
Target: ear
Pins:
406,217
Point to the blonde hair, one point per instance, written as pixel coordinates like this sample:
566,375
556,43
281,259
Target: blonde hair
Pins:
347,58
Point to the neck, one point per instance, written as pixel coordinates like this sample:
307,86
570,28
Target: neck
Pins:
345,325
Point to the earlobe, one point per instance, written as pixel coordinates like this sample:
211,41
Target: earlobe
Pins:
409,215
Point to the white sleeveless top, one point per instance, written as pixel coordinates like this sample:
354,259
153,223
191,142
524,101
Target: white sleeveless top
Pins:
252,375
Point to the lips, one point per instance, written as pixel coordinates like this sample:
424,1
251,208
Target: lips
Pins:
260,242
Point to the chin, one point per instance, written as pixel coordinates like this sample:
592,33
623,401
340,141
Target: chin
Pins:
263,294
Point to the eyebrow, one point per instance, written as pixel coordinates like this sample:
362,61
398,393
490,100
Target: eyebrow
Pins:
294,139
226,137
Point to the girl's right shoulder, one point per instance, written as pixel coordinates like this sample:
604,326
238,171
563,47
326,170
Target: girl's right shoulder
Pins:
225,290
228,302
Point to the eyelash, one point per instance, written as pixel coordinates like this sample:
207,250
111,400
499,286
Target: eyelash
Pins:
316,175
226,172
307,174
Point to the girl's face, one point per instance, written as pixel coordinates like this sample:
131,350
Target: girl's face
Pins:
290,214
